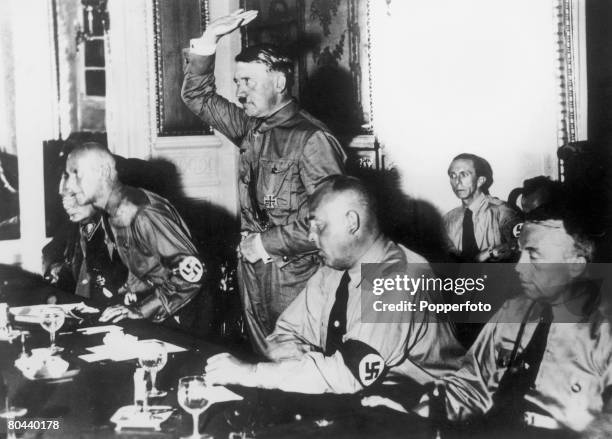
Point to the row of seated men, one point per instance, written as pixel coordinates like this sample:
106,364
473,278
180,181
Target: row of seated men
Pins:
306,230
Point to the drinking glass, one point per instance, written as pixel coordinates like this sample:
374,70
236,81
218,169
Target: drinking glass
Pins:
241,418
10,414
52,319
153,357
191,395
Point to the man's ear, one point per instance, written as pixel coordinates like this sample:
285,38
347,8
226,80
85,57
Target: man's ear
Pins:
353,221
577,265
480,181
280,82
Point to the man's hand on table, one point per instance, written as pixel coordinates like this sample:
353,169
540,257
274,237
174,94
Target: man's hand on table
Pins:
226,369
117,313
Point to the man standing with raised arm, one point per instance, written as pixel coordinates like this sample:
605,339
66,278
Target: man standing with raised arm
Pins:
284,154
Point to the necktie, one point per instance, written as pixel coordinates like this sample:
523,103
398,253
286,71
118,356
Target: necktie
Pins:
522,371
336,326
469,249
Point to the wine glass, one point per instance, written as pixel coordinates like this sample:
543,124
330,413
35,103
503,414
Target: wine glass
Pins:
9,412
52,319
191,395
153,357
241,417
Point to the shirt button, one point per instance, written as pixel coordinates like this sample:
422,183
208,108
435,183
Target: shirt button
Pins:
84,281
336,324
576,387
285,258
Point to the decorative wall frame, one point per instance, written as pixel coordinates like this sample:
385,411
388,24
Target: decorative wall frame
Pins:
571,48
328,42
175,22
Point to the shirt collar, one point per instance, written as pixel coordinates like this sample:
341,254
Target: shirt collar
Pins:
477,203
114,201
374,254
282,115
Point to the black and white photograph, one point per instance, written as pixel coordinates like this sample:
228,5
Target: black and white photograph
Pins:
251,219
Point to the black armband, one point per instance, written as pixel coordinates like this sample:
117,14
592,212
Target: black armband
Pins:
364,362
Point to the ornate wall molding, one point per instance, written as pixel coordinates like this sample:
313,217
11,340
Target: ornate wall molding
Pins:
174,25
572,78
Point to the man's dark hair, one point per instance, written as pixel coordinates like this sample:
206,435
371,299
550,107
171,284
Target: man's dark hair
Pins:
563,205
482,168
541,182
270,56
338,184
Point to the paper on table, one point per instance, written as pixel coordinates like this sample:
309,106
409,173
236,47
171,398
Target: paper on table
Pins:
129,417
122,352
216,394
34,313
91,358
99,329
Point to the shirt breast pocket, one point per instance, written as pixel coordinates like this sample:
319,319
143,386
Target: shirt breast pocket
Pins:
276,184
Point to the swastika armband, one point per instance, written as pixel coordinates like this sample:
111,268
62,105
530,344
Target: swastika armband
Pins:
516,230
190,269
364,362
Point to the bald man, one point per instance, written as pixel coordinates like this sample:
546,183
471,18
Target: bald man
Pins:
79,259
151,238
320,343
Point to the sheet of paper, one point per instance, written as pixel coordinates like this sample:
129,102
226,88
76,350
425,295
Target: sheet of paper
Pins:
216,394
92,358
99,329
127,351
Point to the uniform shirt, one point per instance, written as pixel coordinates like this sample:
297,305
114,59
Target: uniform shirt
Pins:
493,223
414,344
152,240
574,373
286,154
102,273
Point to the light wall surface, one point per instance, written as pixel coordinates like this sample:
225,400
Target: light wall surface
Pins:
474,76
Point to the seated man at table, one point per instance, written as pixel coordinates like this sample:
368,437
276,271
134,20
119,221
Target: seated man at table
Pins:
481,229
78,258
320,343
150,236
545,359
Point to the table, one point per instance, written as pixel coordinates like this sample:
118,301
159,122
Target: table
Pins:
84,405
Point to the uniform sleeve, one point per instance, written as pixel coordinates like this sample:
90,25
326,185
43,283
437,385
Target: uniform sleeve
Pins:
607,383
469,391
159,234
322,157
200,95
508,219
368,349
297,330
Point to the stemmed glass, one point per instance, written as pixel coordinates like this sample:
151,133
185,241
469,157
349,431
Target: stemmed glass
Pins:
9,412
52,319
153,357
191,395
241,417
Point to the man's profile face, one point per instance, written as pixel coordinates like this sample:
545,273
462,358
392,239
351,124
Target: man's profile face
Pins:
329,232
548,261
76,212
82,178
255,89
463,179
